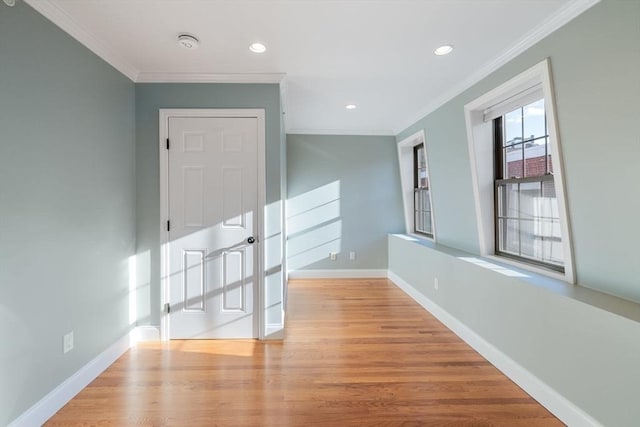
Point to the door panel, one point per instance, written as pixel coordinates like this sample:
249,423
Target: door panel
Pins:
213,200
233,280
193,293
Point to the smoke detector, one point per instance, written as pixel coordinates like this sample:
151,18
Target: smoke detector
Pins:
188,41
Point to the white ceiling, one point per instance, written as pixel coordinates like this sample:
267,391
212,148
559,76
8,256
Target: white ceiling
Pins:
377,54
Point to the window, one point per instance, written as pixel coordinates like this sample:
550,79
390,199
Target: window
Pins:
421,197
416,186
527,219
516,168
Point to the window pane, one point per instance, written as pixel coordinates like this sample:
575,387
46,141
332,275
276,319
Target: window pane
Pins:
508,236
549,161
514,162
416,212
423,181
529,222
426,200
529,243
426,221
548,188
508,203
501,244
421,196
421,176
513,127
421,157
552,250
534,120
535,160
530,200
422,213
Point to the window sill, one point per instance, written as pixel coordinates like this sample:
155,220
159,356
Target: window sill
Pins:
529,267
616,305
422,237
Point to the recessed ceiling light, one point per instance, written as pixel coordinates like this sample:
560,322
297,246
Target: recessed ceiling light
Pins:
351,106
188,41
443,50
257,48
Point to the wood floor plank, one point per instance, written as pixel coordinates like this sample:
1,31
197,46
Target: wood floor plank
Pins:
356,353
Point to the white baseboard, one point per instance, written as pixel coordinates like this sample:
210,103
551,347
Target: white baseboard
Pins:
557,404
144,334
337,274
46,407
274,332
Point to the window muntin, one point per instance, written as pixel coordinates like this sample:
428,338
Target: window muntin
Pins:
421,198
527,216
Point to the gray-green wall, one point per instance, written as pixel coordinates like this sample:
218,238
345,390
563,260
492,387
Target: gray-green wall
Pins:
595,62
588,355
343,196
67,206
152,97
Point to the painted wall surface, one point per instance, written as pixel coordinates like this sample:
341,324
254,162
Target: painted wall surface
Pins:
342,196
595,61
152,97
586,354
67,206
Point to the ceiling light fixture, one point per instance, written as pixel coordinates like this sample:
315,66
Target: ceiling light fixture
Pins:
351,106
10,3
257,48
443,50
188,41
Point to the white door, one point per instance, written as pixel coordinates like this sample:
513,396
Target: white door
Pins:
213,200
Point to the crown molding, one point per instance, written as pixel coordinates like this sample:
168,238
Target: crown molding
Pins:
341,132
557,20
62,19
153,77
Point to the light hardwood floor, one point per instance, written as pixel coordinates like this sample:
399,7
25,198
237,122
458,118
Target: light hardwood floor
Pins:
356,353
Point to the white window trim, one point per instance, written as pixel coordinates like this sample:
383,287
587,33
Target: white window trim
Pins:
481,146
405,162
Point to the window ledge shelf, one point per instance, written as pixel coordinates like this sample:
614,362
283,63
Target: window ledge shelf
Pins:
610,303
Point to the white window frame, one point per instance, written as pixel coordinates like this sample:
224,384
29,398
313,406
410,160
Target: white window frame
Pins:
406,164
481,155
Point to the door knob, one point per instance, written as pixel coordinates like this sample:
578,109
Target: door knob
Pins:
250,240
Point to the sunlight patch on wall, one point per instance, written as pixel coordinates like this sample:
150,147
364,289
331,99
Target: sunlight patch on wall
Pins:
139,288
314,226
494,267
274,308
133,284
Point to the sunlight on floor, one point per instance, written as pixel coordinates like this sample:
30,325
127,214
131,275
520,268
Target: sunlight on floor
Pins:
238,348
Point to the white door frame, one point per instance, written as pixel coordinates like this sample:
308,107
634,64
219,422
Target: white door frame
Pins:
165,114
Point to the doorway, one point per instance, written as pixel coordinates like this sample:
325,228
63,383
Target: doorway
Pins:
212,193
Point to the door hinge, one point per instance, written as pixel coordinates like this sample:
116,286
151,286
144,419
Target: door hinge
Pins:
167,307
167,143
168,225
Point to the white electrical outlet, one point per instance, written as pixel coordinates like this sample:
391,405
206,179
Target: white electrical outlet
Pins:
333,256
352,255
67,342
435,283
